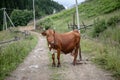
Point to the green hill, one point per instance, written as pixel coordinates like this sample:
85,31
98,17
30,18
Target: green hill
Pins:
102,40
90,9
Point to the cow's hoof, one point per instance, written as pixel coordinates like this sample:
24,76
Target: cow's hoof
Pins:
58,65
74,63
53,65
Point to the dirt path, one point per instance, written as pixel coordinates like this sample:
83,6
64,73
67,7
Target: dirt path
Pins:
36,67
86,71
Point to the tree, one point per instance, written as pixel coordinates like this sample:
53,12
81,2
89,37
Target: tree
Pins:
43,7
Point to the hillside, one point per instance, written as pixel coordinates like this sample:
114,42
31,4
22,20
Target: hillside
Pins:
88,10
102,40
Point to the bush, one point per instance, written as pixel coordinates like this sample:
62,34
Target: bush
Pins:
46,23
21,17
99,26
102,25
113,21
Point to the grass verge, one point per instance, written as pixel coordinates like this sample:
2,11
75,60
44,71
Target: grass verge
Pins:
7,34
13,54
104,55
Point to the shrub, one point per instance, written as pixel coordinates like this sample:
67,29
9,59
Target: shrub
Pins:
46,23
102,25
99,26
21,17
113,20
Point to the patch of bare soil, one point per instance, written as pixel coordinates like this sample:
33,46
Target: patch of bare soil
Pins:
35,65
23,28
87,71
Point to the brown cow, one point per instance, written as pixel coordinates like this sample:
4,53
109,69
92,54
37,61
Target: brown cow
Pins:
67,43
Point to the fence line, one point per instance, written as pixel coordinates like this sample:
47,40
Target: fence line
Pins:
74,26
11,40
16,38
107,41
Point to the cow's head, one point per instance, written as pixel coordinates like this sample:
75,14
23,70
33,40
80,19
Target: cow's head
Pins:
50,35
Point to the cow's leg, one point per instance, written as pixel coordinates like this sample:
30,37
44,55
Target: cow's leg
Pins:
53,58
80,57
75,56
58,57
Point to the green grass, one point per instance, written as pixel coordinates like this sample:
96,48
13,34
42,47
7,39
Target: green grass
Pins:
56,73
13,54
7,35
88,11
93,8
59,23
103,54
112,35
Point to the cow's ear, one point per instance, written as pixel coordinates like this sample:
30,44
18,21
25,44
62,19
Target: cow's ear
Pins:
53,31
44,33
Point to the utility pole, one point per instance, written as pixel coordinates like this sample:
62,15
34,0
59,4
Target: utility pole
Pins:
9,19
4,19
34,14
74,25
78,24
5,16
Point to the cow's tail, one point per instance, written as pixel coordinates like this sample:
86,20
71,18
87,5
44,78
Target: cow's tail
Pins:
80,56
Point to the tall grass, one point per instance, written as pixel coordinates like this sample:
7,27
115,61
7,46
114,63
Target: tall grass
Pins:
105,55
13,54
7,34
101,25
106,50
94,8
111,36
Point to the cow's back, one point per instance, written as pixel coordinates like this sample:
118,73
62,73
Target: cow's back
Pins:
68,41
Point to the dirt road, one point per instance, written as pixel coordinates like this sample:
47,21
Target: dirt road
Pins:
36,67
86,71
